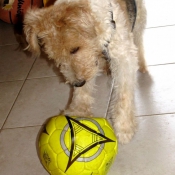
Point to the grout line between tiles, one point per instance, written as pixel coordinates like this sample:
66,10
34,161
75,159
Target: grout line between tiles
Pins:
154,65
171,25
151,115
10,81
28,79
22,127
42,77
18,95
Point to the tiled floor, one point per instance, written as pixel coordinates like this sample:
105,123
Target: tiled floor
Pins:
31,91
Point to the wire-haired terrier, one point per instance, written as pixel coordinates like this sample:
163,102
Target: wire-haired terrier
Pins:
83,35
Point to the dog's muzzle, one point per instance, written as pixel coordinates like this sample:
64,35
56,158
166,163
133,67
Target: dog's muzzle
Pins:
79,83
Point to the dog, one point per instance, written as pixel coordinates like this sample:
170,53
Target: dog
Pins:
83,35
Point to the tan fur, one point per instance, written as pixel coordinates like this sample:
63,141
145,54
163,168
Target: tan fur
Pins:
74,33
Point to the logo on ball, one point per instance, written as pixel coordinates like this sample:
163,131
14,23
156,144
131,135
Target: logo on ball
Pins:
77,149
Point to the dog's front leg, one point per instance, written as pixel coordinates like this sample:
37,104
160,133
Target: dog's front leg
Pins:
123,66
82,100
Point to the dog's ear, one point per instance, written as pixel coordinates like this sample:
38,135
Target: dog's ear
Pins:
31,30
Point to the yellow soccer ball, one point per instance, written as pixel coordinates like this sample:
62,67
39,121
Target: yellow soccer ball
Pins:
77,146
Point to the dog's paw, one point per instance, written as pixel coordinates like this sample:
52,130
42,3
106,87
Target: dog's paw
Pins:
143,69
124,137
125,131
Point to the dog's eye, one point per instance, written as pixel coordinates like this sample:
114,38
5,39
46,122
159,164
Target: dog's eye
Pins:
74,50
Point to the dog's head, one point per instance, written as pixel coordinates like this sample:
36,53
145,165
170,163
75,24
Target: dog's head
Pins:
66,32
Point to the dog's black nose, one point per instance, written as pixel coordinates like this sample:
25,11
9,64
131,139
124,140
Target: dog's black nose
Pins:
79,83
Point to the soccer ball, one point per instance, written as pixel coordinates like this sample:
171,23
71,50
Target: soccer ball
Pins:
77,146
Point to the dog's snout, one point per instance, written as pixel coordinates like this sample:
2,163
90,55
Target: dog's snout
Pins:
79,83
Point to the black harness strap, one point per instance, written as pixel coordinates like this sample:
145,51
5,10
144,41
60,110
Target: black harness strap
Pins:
132,11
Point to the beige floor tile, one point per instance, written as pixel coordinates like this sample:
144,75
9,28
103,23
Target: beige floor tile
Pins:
39,100
152,150
14,64
8,94
43,68
160,12
44,98
6,34
155,92
159,45
18,152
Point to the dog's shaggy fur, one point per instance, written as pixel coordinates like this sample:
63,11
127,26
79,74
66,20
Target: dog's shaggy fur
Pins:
78,35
